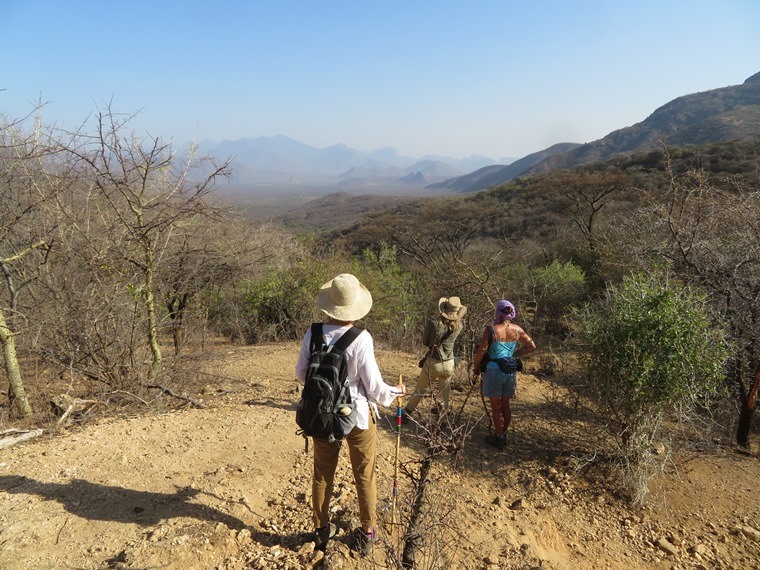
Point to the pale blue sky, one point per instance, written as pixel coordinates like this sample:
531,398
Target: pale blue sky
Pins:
497,78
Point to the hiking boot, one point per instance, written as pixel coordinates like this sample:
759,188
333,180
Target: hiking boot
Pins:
365,541
498,441
323,535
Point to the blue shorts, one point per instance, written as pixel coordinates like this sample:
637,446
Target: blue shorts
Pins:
496,384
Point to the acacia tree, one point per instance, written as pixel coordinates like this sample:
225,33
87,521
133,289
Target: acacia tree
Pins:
147,193
213,255
714,239
583,196
26,189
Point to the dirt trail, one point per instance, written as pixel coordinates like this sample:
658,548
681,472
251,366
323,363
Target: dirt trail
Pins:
227,487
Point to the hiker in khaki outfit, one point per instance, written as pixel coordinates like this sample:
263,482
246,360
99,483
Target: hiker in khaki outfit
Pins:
439,337
345,300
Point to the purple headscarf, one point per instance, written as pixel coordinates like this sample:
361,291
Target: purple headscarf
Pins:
504,310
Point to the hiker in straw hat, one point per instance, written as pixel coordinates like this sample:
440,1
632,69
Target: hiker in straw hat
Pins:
344,300
439,337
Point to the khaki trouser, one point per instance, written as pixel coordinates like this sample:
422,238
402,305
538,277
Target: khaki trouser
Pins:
441,372
362,449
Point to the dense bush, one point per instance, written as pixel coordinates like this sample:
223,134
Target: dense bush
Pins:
559,287
281,305
648,347
399,297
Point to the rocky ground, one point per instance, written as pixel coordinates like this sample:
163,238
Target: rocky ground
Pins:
227,487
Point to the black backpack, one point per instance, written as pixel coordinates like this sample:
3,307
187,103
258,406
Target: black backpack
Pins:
326,410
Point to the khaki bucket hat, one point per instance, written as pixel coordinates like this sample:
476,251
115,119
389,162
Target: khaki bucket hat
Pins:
452,308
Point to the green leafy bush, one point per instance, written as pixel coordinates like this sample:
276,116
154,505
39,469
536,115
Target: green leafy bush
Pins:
648,347
559,286
399,304
281,305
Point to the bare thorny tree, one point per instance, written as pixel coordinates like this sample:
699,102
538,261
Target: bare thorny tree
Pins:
426,528
714,240
26,238
103,235
148,195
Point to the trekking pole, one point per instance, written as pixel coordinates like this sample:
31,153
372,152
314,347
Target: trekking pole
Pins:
399,412
485,407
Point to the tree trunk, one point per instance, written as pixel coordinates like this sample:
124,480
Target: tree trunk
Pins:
16,392
177,304
749,402
150,308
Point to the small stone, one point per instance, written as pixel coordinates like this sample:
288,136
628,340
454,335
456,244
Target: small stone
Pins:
244,535
665,545
698,549
748,531
518,504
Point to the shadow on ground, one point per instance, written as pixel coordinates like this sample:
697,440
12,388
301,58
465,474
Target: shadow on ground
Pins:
94,501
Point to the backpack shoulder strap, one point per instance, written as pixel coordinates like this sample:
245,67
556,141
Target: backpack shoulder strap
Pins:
347,338
341,345
317,340
439,341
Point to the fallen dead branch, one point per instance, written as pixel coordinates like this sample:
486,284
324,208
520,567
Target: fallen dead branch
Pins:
13,437
69,406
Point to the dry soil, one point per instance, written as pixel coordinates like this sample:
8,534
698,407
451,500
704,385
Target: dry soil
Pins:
227,486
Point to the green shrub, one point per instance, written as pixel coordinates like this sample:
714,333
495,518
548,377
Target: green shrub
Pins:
281,305
559,287
649,348
399,304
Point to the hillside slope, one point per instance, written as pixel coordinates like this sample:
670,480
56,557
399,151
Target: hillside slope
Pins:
227,487
715,116
718,115
495,175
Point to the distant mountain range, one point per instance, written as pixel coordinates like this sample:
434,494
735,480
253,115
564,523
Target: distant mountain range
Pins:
719,115
281,160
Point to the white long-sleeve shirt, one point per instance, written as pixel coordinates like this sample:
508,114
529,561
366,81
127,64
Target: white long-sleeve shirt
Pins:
365,382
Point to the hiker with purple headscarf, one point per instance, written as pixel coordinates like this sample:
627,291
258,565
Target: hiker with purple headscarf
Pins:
501,340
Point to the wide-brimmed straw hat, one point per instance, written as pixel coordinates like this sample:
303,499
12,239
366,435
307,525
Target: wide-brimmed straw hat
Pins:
452,308
343,298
